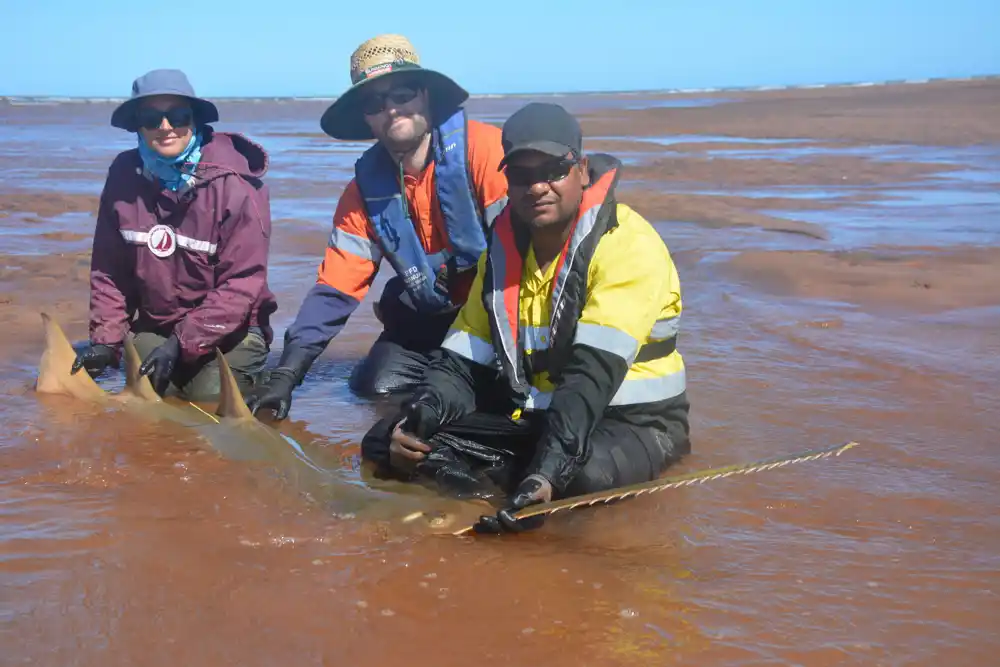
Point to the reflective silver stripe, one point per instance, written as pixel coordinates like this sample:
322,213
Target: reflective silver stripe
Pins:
496,263
609,339
494,210
535,338
538,400
643,390
195,244
470,347
650,390
141,238
362,246
582,231
666,328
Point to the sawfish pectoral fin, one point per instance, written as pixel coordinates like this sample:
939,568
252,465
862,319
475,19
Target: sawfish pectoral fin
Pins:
136,384
54,375
231,403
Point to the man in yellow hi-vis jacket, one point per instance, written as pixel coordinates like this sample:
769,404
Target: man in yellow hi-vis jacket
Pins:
560,375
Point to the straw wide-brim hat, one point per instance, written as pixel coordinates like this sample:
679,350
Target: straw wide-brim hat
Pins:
386,55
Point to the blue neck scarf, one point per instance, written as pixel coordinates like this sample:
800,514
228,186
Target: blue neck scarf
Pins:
173,173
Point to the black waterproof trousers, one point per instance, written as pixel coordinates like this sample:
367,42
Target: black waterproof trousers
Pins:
485,455
399,356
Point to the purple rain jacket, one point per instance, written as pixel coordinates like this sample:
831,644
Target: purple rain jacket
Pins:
192,262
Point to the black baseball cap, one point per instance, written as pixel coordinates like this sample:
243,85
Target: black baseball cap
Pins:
547,128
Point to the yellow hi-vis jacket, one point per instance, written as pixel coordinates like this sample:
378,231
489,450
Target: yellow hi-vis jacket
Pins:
616,296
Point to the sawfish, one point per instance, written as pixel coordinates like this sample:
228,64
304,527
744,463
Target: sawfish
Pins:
234,433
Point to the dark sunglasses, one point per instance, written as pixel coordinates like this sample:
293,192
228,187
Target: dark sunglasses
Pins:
151,119
375,102
548,172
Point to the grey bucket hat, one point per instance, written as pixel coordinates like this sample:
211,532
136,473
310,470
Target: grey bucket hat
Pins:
162,82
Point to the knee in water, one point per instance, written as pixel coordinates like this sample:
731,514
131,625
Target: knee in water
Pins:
592,478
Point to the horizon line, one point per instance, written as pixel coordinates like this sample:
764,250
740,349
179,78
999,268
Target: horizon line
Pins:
637,91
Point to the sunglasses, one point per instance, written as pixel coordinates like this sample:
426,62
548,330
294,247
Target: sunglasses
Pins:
151,119
375,102
548,172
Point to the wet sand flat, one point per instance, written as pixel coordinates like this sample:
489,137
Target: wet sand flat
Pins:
838,252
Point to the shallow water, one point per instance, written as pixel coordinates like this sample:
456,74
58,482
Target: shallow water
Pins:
123,542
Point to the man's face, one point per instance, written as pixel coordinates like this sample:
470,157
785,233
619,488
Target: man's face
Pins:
545,190
396,111
165,123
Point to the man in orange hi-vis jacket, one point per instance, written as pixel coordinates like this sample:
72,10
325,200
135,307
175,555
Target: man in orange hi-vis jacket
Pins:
423,197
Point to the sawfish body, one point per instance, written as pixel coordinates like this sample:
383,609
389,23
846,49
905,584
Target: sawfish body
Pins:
234,433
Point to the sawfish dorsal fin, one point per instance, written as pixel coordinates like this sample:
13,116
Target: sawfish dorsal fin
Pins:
231,403
135,384
54,375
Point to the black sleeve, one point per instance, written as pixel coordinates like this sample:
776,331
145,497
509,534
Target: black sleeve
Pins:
589,382
448,386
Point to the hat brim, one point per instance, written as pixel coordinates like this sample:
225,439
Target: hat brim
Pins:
553,148
124,117
343,119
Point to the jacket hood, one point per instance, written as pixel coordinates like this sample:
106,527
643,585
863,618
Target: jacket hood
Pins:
234,152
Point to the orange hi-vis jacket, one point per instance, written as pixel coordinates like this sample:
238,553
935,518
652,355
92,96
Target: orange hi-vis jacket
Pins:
353,256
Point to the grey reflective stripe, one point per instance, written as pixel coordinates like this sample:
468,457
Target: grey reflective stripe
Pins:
195,244
141,238
650,390
494,210
609,339
507,343
362,246
535,338
538,400
471,347
631,392
582,231
666,328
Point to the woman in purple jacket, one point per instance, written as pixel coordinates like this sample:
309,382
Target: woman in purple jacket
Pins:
181,246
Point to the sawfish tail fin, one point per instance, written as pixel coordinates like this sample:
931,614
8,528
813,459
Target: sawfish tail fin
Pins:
135,384
54,375
231,403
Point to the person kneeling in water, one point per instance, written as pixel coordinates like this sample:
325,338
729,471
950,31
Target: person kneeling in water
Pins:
181,246
560,376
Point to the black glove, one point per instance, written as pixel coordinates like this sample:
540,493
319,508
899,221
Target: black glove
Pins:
421,419
159,364
276,393
95,358
532,490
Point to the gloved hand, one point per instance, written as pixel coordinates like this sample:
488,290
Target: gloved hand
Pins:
418,422
159,364
95,358
532,490
275,394
421,419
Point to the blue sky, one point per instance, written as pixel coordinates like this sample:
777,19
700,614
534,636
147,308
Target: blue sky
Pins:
302,47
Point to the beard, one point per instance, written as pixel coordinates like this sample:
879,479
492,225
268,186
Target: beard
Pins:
404,134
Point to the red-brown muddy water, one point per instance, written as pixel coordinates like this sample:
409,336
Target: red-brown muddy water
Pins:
839,284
